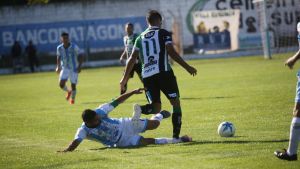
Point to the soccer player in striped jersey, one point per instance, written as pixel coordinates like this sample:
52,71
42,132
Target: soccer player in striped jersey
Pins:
123,132
291,153
129,40
69,62
153,47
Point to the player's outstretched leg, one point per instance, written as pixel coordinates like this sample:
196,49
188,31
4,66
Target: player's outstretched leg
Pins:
291,153
63,86
73,93
147,141
155,120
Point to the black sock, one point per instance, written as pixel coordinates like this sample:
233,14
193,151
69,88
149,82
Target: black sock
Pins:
176,121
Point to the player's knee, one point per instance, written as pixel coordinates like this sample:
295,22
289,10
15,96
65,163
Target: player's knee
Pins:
73,86
175,102
61,85
156,123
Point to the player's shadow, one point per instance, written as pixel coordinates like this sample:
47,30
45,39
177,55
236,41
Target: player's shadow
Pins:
118,148
235,142
206,98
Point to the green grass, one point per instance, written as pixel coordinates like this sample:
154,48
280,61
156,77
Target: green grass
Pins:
257,95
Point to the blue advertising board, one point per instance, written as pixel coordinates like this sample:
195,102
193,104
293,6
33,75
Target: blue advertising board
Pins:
99,34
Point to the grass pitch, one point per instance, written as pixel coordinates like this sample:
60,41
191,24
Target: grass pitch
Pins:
257,95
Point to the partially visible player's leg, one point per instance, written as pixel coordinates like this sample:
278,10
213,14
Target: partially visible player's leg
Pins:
138,70
294,131
155,120
74,80
170,88
73,93
152,95
291,153
63,77
131,74
176,117
148,141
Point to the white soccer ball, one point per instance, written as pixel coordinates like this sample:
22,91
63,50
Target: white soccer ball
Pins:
226,129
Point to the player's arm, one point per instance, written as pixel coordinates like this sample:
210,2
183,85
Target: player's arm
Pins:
72,146
292,60
123,57
80,61
80,58
129,68
175,56
125,96
58,65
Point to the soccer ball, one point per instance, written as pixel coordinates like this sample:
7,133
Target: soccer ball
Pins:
226,129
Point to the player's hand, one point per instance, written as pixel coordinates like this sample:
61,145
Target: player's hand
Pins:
58,69
192,70
78,69
138,91
290,62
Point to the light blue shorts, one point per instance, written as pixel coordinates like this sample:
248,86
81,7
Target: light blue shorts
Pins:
130,132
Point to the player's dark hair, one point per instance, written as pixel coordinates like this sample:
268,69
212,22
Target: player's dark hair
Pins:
88,115
153,16
129,24
64,34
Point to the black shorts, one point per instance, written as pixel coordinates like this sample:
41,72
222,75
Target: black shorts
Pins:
163,81
136,68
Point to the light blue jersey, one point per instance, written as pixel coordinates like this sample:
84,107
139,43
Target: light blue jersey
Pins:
297,98
108,132
298,29
68,56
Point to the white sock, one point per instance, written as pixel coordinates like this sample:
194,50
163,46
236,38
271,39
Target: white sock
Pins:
167,140
73,94
65,89
158,117
294,136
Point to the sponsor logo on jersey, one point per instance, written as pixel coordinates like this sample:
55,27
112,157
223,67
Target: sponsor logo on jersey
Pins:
151,61
149,35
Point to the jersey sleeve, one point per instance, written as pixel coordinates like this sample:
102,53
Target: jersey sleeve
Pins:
166,36
137,44
57,52
124,41
298,27
104,109
80,134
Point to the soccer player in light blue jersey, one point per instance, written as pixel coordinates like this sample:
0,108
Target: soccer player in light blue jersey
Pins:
123,132
69,63
291,153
